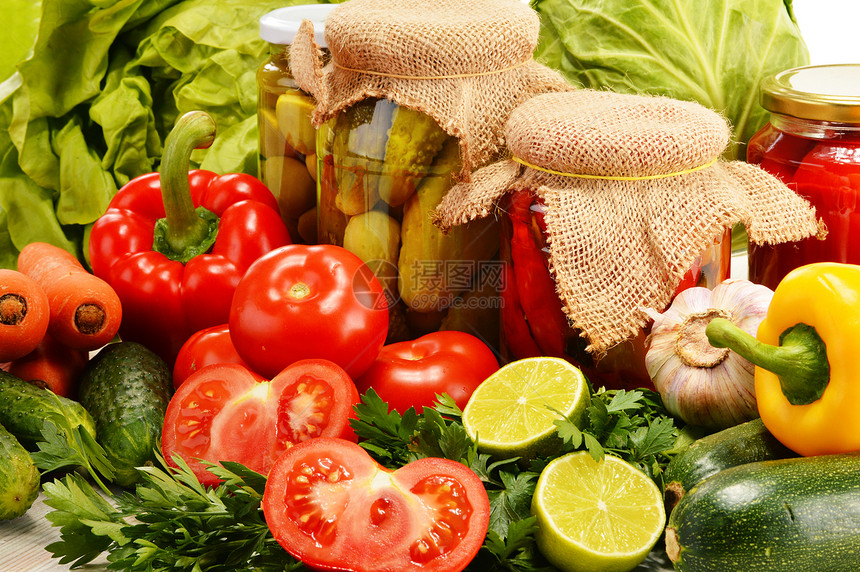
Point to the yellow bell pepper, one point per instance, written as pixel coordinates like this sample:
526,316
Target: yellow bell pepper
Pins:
807,377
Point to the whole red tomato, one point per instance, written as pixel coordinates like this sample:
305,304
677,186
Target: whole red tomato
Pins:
330,505
227,413
411,373
317,301
207,347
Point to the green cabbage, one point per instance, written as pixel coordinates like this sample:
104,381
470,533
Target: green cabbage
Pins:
89,90
714,52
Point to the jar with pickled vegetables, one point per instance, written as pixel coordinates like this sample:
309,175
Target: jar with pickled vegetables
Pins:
287,158
812,143
411,102
610,204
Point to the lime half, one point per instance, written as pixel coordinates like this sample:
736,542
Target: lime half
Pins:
596,516
511,413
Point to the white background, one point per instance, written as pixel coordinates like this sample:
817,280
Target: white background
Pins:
831,29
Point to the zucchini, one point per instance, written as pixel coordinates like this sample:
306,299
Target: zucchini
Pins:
800,514
127,388
745,443
24,408
19,477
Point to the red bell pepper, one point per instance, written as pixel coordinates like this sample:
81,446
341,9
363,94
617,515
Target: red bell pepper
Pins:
174,244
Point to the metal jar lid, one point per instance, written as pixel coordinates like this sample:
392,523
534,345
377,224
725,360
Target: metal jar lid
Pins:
280,26
819,93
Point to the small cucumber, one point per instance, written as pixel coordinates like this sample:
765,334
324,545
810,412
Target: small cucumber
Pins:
25,407
800,514
19,478
745,443
127,388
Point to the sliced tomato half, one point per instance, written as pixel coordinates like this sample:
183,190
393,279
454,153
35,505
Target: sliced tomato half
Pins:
225,412
330,505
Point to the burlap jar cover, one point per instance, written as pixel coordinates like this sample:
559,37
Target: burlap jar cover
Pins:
634,190
465,63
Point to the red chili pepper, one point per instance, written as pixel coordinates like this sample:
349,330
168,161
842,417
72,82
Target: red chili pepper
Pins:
174,244
538,298
518,337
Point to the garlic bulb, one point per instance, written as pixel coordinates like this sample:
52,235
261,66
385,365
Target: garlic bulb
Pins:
703,385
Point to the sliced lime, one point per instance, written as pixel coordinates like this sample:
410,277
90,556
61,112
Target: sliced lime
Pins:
512,413
596,516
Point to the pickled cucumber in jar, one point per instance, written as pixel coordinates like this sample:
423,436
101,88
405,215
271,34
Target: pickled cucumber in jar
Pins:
385,167
287,138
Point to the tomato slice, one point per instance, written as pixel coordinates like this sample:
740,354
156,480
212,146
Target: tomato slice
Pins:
329,504
225,412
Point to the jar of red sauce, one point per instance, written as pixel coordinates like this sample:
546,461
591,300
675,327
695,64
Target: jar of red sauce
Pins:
812,143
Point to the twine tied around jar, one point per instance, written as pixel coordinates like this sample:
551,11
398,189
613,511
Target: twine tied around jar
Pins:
634,190
464,63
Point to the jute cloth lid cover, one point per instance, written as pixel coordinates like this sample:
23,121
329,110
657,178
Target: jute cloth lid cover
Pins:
620,245
465,63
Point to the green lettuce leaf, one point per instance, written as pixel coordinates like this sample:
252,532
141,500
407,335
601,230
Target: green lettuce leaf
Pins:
89,90
18,37
713,52
26,208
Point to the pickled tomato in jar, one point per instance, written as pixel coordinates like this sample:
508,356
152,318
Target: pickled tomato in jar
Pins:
812,143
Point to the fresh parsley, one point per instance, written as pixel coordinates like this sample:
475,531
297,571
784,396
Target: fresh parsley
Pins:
633,425
171,522
68,446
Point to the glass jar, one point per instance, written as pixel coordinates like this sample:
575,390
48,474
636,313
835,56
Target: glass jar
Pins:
533,322
812,143
383,170
287,158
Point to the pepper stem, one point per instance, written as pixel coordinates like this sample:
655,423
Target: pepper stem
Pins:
799,361
185,231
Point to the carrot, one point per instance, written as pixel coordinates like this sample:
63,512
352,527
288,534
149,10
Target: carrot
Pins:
52,365
24,314
85,310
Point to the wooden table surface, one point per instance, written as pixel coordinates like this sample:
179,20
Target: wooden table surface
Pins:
23,541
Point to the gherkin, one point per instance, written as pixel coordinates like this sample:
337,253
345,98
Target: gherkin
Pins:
374,236
413,143
19,477
358,149
428,258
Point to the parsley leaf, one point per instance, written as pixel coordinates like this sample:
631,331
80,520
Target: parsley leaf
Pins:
659,436
633,425
171,522
511,501
66,446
